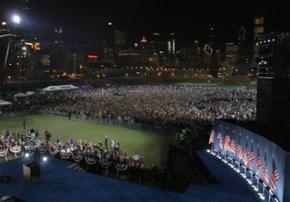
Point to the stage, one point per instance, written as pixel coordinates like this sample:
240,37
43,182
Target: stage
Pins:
61,183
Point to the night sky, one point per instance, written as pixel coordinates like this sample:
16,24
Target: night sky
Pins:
85,21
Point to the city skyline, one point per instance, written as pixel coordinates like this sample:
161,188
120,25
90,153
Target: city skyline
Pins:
86,22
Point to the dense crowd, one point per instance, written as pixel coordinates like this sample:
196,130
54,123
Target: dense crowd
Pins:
17,144
153,104
102,158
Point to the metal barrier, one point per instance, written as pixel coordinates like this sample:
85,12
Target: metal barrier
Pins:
105,121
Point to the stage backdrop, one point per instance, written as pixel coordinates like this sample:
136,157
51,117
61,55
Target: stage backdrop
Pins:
267,151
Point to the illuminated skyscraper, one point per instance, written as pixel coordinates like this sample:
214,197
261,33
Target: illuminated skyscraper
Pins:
259,31
259,27
58,35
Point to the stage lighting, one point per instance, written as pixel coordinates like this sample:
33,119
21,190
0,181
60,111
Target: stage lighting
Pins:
262,197
44,159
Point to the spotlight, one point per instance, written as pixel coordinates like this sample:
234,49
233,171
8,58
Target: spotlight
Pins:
44,159
26,155
16,19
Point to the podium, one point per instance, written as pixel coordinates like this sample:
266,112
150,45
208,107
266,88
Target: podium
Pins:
31,171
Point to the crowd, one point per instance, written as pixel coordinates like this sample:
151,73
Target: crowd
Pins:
17,144
102,158
153,104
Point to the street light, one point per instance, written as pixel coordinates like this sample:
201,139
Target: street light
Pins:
16,19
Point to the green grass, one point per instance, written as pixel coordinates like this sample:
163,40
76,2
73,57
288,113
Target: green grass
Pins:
151,146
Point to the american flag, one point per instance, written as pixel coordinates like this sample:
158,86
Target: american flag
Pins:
232,146
211,138
227,143
258,163
239,151
251,157
221,140
265,174
251,160
246,154
274,177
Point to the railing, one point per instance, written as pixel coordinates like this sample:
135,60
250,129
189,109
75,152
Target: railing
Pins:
150,127
106,121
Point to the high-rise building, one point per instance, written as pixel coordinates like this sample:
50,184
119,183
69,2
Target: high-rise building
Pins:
58,35
58,52
171,44
230,63
273,95
259,31
191,55
259,27
120,39
213,56
243,65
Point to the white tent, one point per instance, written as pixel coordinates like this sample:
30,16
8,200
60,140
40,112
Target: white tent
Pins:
28,93
20,95
4,103
59,88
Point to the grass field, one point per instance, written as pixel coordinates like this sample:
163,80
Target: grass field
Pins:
151,146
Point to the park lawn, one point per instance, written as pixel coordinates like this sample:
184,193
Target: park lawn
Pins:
152,146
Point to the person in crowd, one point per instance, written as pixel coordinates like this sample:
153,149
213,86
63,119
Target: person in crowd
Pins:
161,105
47,136
106,143
24,124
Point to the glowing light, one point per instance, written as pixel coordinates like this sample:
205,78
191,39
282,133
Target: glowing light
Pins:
255,188
262,197
36,46
44,159
3,23
92,56
143,40
16,19
26,155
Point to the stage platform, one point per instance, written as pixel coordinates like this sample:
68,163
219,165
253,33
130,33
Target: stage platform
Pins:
61,183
